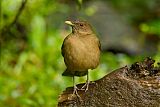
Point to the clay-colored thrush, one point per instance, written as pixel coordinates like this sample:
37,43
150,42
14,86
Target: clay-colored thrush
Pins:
81,51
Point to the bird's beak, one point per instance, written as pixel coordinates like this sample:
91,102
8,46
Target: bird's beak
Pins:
69,23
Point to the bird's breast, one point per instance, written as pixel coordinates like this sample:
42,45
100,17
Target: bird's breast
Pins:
83,53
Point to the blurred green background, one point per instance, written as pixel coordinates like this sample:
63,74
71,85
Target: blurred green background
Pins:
32,32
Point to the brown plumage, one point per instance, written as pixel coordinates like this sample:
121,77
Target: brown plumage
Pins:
80,49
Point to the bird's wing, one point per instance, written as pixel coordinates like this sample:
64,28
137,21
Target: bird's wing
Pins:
63,46
99,44
98,41
62,49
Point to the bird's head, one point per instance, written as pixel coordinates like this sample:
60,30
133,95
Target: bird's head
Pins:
82,27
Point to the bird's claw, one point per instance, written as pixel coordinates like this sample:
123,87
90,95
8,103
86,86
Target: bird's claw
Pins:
75,92
85,85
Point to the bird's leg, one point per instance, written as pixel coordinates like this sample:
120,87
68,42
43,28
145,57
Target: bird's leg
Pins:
75,89
86,84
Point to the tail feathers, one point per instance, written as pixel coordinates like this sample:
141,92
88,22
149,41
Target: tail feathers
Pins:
67,73
74,73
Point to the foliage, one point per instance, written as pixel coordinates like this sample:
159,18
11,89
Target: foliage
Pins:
31,61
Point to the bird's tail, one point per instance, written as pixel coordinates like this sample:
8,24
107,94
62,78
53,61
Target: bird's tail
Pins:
74,73
67,73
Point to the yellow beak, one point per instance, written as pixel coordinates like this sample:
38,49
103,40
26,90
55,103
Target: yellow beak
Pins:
69,23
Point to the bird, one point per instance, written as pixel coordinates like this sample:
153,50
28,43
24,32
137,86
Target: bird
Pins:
81,51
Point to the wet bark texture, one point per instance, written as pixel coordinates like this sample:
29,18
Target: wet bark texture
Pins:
137,86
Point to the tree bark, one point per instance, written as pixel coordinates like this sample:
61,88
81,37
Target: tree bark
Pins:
137,86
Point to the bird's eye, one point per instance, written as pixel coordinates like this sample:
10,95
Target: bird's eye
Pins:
81,24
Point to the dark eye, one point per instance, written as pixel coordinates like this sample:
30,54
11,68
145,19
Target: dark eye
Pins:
81,24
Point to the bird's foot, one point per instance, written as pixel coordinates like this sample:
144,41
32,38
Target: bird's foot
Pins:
75,92
85,85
